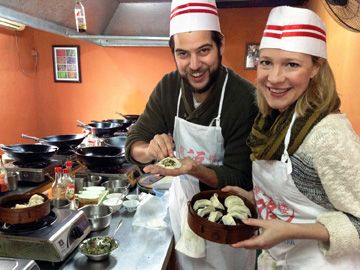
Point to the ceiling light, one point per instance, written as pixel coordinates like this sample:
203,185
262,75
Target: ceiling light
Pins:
5,23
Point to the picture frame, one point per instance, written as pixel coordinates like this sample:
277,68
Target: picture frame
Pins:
66,59
251,55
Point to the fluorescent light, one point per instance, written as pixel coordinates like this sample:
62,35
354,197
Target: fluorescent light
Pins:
11,24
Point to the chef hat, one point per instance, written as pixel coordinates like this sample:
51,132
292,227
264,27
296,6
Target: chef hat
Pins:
193,15
295,30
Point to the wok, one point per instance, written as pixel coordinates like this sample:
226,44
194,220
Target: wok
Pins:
12,216
118,141
131,117
65,142
100,156
124,123
30,152
102,129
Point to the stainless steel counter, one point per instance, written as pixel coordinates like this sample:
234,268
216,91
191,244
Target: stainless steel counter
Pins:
139,248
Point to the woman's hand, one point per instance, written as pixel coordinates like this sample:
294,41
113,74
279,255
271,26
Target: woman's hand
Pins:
249,195
272,231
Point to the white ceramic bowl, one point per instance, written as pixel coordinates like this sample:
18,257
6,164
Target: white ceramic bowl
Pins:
131,205
114,203
115,195
96,188
132,197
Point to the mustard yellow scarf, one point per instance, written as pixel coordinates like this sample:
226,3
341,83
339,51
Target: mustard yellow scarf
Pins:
266,139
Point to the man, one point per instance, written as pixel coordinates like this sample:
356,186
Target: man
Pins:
204,112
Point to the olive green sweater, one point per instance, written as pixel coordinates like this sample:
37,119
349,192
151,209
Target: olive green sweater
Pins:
237,116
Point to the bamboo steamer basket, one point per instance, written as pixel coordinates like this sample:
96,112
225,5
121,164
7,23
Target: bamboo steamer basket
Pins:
216,232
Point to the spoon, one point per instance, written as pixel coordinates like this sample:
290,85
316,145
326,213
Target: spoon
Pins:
117,228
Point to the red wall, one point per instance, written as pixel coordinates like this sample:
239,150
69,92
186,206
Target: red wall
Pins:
118,78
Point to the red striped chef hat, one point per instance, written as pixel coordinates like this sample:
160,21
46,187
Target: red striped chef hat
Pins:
295,30
193,15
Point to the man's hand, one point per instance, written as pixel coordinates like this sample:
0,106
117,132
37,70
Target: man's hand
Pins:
161,146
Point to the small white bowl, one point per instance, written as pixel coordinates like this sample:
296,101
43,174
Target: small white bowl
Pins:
131,205
132,197
114,203
115,195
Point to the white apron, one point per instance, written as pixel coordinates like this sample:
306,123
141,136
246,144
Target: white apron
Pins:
204,144
277,197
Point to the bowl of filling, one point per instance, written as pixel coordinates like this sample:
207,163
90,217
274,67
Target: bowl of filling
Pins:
98,248
217,216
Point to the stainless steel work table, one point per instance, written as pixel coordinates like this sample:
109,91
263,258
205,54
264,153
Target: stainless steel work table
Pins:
139,248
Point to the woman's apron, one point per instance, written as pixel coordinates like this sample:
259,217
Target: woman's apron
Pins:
205,145
277,197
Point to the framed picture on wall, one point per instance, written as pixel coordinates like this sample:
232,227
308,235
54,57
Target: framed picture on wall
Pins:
66,60
251,55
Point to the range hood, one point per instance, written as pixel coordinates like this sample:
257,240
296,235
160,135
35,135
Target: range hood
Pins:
110,22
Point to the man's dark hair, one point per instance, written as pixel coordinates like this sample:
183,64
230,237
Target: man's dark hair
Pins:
217,37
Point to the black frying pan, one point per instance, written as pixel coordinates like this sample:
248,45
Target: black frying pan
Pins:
124,123
100,156
30,152
117,141
102,129
64,142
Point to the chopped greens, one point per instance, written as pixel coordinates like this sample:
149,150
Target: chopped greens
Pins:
98,245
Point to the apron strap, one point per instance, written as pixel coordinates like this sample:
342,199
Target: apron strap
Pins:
178,103
217,119
285,156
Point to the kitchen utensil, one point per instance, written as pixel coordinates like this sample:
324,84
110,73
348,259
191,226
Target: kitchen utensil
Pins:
65,142
30,152
116,229
99,216
117,186
114,203
131,197
102,129
124,123
100,156
117,141
9,215
60,203
132,117
216,232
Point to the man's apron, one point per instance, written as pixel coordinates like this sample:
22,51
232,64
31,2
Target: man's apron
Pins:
277,197
205,145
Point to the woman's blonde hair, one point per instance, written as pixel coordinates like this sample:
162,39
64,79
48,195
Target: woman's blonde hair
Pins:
321,93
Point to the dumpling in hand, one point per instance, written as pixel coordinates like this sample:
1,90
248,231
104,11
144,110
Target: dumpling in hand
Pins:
215,202
228,220
239,209
204,211
201,203
169,163
215,216
232,199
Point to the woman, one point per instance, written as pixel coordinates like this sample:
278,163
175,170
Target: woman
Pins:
305,154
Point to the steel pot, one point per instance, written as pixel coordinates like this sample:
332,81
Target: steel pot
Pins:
30,152
100,156
65,142
99,216
30,214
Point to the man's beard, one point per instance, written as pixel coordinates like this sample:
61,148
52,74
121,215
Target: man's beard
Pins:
212,78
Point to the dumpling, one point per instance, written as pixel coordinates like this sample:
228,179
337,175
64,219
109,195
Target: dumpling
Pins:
232,199
238,215
169,163
239,209
215,202
228,220
35,200
215,216
204,211
201,203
